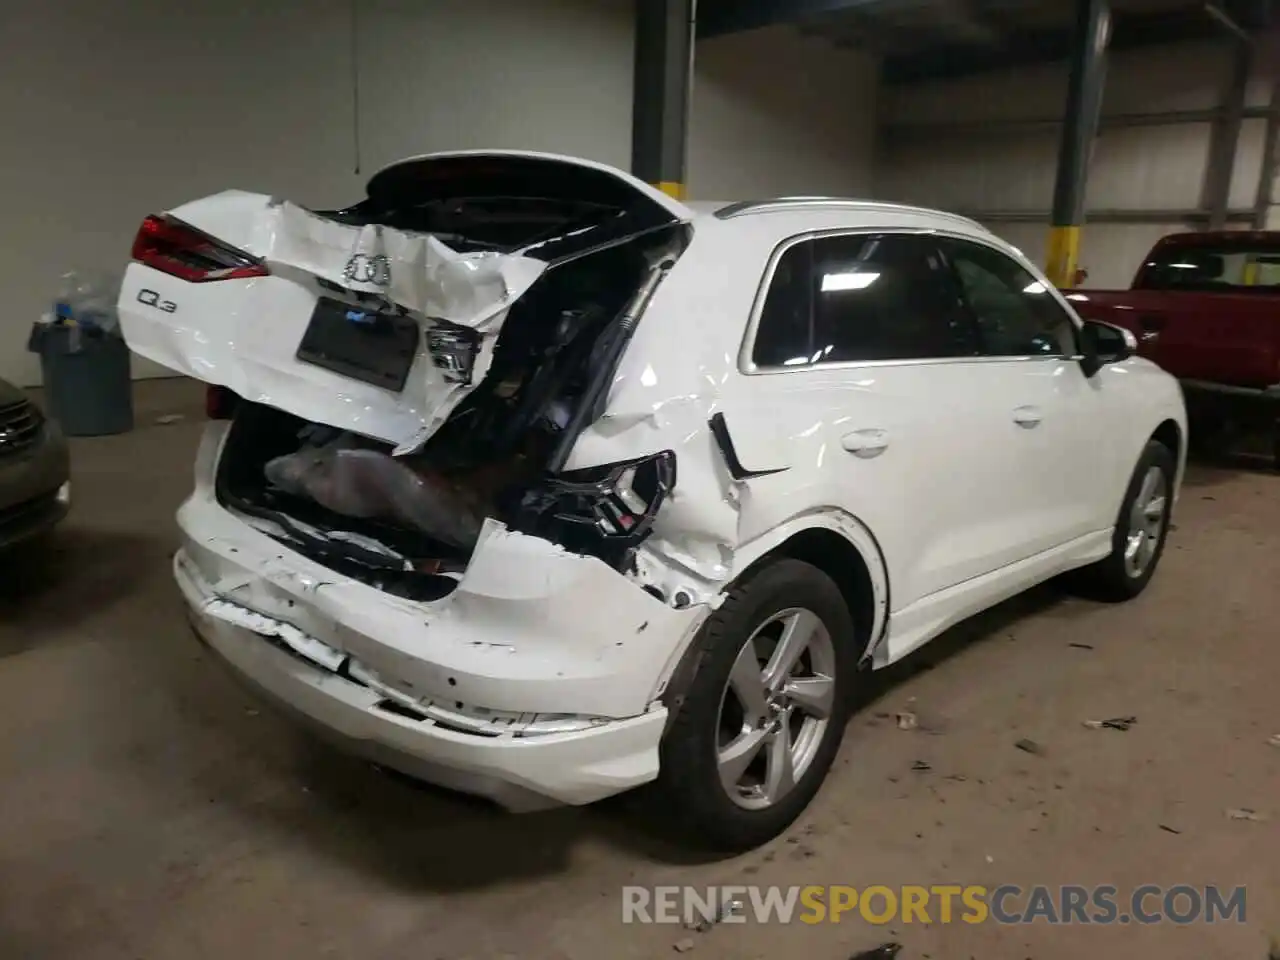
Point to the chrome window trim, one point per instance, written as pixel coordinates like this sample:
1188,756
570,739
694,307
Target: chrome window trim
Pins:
748,367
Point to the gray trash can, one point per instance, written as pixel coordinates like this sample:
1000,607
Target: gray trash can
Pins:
87,384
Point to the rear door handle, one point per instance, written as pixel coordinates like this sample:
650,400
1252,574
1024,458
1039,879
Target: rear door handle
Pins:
866,443
1027,417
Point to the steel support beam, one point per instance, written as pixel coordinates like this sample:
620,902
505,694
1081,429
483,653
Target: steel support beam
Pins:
1270,161
1084,109
1114,121
664,31
1184,215
718,17
1024,48
1225,139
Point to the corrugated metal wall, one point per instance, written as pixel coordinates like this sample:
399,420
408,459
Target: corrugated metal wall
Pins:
975,145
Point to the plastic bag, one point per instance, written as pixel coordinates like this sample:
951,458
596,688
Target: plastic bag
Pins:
88,303
369,485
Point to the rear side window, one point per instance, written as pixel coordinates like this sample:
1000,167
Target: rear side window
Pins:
860,298
1016,314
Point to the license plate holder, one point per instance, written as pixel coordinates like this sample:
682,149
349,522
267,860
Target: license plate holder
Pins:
373,346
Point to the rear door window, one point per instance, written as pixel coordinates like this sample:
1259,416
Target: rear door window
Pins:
862,298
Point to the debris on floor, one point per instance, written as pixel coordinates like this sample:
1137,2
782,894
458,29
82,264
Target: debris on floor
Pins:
684,946
1168,829
169,418
907,720
920,766
1244,813
886,951
1115,723
1030,746
1081,646
1275,740
728,908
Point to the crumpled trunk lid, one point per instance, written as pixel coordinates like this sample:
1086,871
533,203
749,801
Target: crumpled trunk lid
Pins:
381,318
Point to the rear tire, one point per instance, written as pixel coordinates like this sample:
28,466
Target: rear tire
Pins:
1140,531
765,713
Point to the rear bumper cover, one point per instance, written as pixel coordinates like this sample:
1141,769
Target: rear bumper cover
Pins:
518,773
535,680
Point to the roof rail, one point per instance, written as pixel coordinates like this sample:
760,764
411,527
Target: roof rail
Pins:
745,207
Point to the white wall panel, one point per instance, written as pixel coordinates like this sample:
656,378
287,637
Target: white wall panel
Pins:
113,111
777,113
961,171
1148,168
1158,167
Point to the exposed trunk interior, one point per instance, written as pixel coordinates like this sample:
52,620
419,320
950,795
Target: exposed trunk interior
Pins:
416,518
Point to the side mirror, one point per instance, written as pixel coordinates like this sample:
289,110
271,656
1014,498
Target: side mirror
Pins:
1105,343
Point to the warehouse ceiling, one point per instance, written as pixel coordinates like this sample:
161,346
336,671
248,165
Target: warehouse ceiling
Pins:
934,39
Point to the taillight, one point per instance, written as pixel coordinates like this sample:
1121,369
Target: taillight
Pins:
172,247
220,403
602,510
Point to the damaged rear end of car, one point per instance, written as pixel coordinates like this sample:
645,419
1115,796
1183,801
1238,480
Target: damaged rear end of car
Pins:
384,534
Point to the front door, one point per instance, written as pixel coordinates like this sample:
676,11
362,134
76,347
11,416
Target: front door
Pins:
871,371
1057,417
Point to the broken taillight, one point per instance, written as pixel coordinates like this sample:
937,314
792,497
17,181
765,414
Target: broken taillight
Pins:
601,510
220,403
172,247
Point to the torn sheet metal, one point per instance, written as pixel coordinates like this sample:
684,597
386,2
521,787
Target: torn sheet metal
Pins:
245,334
416,271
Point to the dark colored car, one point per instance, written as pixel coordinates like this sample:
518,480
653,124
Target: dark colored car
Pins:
35,486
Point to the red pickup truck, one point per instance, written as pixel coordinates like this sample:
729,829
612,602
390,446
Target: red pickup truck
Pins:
1206,307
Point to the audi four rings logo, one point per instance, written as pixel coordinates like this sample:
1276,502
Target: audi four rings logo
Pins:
363,268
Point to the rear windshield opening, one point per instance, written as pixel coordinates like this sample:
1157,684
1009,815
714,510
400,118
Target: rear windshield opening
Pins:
1231,268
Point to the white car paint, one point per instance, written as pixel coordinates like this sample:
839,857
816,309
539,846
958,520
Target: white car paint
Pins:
243,335
541,677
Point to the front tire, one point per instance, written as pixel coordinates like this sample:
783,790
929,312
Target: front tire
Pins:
765,713
1140,530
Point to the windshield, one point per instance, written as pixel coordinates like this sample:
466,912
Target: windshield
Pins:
1231,268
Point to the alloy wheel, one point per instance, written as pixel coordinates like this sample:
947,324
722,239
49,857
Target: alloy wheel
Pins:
1147,518
775,708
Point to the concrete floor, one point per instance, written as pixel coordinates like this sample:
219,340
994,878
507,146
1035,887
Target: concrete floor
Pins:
150,809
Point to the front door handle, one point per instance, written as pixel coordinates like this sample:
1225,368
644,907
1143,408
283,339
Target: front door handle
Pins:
866,443
1027,417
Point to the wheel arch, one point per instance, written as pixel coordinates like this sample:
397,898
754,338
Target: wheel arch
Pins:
833,541
842,547
1172,435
